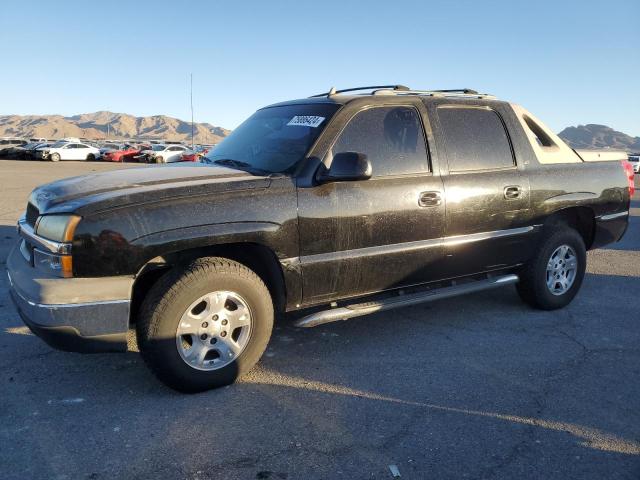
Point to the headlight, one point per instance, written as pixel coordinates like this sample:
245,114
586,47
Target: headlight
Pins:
59,228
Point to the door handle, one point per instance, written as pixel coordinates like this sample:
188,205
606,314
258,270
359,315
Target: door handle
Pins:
512,192
429,199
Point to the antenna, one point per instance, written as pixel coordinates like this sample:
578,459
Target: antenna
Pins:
191,111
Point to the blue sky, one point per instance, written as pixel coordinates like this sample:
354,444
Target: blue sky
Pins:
569,62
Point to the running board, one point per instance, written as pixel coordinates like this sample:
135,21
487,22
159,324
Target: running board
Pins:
359,309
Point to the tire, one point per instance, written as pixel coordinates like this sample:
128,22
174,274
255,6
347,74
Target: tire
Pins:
91,157
55,157
173,299
159,160
533,286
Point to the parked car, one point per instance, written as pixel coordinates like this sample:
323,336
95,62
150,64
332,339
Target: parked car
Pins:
194,155
15,152
70,151
350,204
8,144
634,159
42,152
32,152
165,153
111,147
123,155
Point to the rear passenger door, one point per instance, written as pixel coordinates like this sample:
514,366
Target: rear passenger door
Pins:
365,236
81,151
486,191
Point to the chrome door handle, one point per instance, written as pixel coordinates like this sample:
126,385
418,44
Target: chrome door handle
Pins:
512,192
429,199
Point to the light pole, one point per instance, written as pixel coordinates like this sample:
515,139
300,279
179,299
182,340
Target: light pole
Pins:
192,149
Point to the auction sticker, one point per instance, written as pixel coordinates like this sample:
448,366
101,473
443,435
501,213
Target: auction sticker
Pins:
306,121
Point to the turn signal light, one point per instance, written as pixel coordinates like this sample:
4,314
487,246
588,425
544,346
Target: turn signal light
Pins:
628,170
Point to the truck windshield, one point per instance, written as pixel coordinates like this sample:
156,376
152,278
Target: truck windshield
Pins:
273,139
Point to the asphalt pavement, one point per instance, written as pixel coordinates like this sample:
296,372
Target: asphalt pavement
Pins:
479,387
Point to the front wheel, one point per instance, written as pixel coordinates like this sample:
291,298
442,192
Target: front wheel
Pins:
204,325
554,275
55,157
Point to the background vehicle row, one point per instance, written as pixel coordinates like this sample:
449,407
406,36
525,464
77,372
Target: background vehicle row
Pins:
75,149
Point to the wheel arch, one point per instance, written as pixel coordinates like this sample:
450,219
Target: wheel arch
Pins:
582,219
258,257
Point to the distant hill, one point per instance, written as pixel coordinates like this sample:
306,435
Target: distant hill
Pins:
599,136
117,125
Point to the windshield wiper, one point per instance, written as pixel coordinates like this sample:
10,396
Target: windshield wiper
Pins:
239,165
228,162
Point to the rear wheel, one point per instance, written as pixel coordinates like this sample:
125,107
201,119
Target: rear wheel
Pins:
204,325
554,275
91,157
55,157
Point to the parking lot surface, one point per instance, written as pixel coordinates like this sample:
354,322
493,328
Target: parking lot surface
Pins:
474,387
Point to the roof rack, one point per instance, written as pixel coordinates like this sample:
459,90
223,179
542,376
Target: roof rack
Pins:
333,91
402,90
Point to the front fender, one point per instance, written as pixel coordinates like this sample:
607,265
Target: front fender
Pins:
170,241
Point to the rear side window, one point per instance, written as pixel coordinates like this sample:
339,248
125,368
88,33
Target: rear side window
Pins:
475,139
390,137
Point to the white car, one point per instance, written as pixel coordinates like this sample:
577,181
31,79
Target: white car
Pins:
165,153
635,161
70,151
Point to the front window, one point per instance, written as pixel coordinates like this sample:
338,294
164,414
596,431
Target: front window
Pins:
390,137
273,139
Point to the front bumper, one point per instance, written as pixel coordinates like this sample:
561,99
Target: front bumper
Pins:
87,315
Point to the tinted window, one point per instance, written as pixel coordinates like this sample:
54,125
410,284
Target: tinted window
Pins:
391,137
475,139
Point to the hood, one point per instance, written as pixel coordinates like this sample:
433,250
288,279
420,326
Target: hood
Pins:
99,191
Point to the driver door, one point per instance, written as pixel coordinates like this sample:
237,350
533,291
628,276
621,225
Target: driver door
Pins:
364,236
68,152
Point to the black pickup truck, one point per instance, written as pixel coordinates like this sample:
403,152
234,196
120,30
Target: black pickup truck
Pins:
349,202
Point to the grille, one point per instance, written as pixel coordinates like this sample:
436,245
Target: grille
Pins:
32,214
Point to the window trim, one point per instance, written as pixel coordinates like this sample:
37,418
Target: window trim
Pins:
476,170
346,123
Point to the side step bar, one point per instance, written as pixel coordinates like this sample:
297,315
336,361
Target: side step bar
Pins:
359,309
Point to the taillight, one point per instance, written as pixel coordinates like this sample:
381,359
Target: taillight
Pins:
628,170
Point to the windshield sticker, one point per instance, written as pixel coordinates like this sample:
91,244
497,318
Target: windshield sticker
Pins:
306,121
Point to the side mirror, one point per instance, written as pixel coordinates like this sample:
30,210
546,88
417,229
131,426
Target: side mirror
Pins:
348,166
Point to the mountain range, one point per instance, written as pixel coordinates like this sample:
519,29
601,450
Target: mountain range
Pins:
599,136
102,125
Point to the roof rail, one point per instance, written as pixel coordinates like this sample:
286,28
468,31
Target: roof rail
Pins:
333,91
402,90
460,93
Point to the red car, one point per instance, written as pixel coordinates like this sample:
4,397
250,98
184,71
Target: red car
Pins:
124,155
194,156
